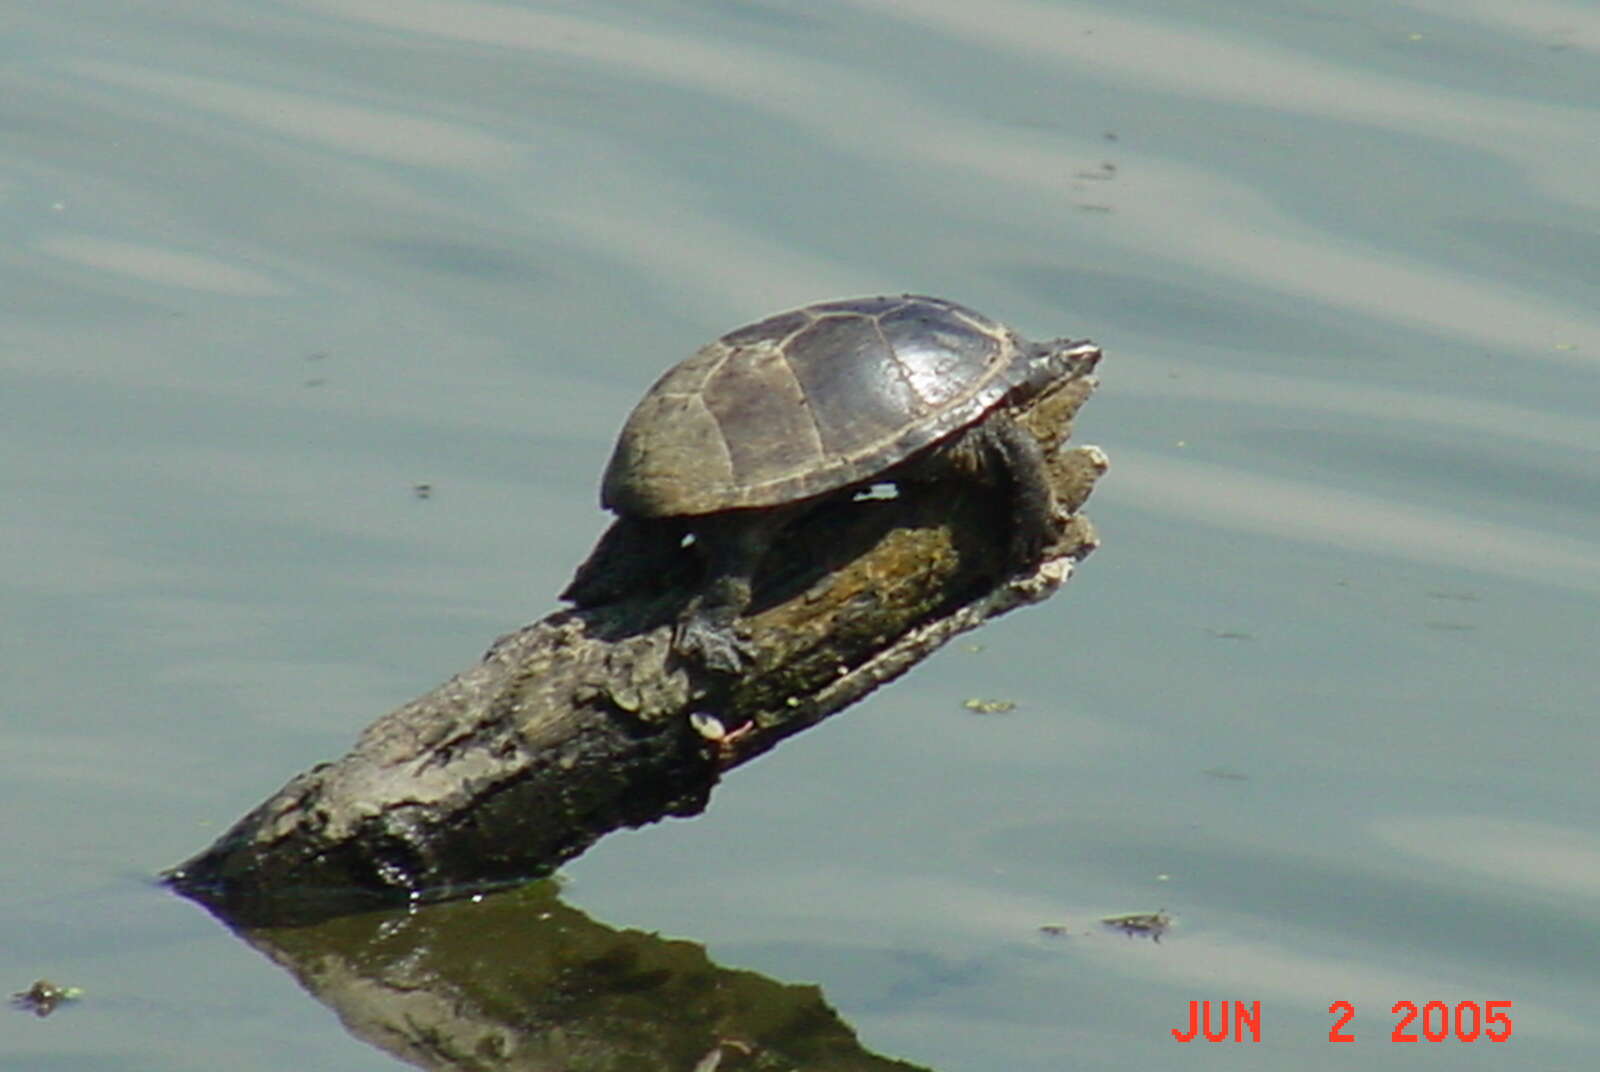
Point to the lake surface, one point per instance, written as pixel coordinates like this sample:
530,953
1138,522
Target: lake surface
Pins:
1326,695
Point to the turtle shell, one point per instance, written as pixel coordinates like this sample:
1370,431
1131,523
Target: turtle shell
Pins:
809,401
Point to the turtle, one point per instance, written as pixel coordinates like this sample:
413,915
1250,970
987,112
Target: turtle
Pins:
768,420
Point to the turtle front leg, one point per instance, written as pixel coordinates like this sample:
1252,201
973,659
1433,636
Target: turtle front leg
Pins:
731,544
1020,462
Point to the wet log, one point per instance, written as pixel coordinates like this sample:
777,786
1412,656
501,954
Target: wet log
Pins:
585,721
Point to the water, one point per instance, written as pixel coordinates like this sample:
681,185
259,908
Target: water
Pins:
1325,695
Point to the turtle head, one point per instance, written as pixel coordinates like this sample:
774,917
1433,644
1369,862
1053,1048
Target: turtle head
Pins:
1046,363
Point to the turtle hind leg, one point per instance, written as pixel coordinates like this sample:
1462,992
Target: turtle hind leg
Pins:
731,545
630,559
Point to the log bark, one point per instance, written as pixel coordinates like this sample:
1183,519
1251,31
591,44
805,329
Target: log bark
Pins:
581,723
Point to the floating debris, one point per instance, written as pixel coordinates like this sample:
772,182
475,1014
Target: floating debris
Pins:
1151,925
43,997
990,707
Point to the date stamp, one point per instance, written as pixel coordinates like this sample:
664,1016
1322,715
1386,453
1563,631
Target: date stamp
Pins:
1433,1021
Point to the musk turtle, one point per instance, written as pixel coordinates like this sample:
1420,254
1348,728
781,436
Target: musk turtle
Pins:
728,445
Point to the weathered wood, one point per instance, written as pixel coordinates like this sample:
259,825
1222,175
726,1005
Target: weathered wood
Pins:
581,723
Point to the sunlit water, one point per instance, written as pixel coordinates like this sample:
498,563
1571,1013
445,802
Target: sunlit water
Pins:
1326,694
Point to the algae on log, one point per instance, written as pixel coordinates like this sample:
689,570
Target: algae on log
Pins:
584,722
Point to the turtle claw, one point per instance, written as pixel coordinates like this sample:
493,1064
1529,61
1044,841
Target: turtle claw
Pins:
714,645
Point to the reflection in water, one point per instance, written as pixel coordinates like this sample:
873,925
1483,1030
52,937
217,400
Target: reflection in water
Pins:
1349,255
521,980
